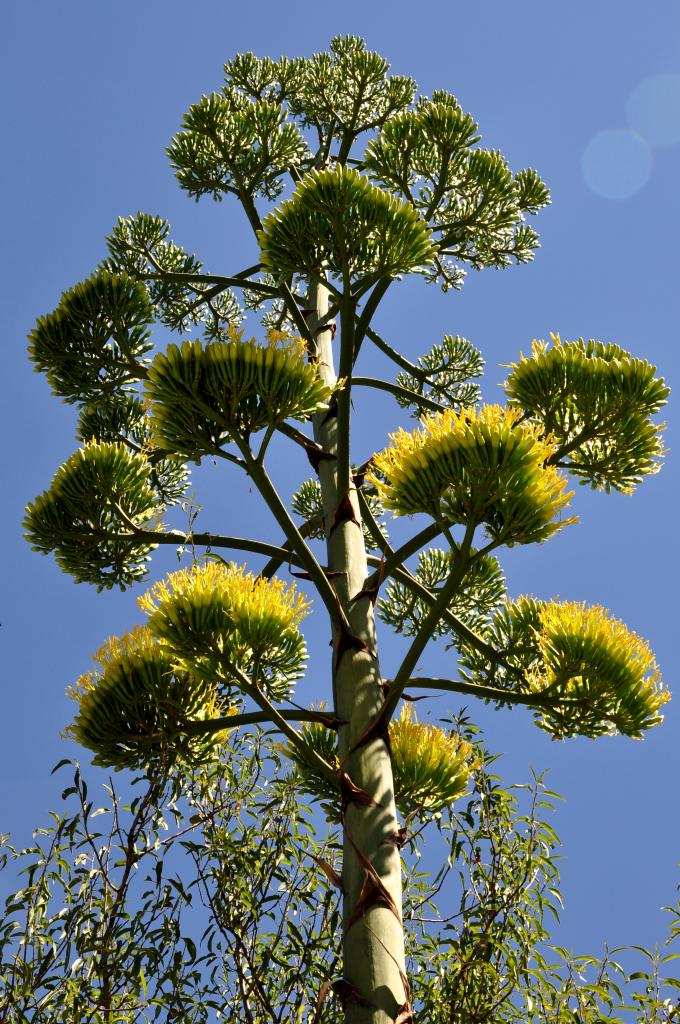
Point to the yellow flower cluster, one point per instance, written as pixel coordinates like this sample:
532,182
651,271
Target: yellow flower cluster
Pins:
572,631
215,614
206,625
295,345
290,345
131,710
274,337
604,676
593,625
119,650
264,605
477,465
431,767
591,674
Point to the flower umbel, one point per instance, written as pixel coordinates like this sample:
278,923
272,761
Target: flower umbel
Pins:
215,616
201,396
98,497
591,658
431,766
597,401
132,708
476,466
591,675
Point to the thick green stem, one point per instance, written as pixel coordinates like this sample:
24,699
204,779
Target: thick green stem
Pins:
373,945
344,407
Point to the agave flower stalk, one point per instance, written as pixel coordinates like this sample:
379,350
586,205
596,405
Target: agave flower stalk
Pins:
424,199
373,945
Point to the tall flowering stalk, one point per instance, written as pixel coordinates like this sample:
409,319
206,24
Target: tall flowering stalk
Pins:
223,647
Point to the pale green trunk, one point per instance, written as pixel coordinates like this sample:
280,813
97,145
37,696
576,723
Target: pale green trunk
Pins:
373,945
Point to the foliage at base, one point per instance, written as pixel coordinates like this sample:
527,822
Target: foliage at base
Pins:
104,928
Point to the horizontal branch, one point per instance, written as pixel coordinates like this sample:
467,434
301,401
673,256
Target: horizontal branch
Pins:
211,540
213,725
484,692
249,271
300,438
412,397
215,279
204,297
286,551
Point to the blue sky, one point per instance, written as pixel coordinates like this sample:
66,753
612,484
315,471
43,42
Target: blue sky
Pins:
93,94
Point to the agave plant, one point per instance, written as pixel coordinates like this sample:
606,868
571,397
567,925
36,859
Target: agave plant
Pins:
223,647
337,219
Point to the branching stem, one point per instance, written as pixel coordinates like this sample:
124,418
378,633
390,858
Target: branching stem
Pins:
412,397
427,627
496,693
305,555
212,725
277,719
214,279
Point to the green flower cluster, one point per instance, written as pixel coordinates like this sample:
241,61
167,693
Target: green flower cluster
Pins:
216,617
596,401
337,219
590,674
475,467
96,338
98,499
201,396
